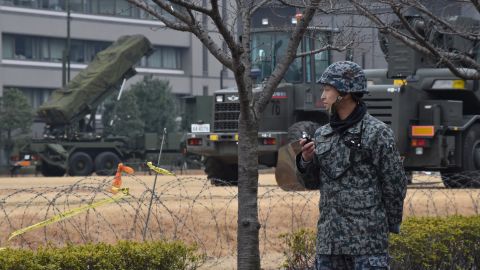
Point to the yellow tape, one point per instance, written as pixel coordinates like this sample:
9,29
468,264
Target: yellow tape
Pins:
158,170
68,214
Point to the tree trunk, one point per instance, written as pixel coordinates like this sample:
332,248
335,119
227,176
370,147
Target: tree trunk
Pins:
248,224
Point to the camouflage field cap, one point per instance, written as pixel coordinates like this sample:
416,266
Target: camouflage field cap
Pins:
346,77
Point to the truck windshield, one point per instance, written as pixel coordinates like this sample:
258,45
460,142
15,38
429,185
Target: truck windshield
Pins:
268,48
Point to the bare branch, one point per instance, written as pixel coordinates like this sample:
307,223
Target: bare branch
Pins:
443,56
476,4
260,4
325,48
189,6
170,24
219,23
189,24
299,6
292,46
468,35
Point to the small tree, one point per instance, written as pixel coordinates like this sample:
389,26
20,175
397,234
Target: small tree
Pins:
122,117
15,115
230,22
156,104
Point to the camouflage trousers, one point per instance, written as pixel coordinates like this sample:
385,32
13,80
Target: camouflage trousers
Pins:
352,262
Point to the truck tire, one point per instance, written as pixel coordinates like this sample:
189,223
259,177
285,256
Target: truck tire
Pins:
51,170
469,176
219,173
295,130
106,163
80,164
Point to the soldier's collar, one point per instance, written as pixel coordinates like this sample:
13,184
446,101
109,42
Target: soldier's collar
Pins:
355,129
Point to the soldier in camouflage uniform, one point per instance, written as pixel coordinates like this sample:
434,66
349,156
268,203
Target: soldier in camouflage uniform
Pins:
354,162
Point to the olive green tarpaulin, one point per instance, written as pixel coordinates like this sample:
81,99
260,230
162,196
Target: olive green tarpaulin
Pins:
94,83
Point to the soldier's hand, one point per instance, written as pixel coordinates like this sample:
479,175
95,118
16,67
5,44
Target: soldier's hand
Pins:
308,149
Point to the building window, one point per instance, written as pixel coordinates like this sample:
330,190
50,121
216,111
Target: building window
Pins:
103,7
165,57
8,44
35,96
22,47
107,7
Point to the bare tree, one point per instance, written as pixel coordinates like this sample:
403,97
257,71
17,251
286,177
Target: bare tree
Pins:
188,16
446,32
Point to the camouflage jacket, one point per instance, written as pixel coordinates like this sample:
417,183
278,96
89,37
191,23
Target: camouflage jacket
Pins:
362,187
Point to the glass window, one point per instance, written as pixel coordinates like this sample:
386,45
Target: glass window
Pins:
77,51
135,13
77,6
25,3
155,59
45,49
268,48
321,59
308,68
170,58
321,63
58,5
93,47
123,8
8,44
7,2
43,4
56,49
35,96
81,51
107,7
23,48
93,6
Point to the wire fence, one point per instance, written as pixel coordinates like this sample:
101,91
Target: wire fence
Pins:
186,208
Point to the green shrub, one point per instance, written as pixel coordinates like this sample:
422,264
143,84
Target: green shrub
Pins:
423,243
300,251
123,255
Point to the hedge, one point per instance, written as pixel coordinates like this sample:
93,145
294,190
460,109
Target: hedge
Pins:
123,255
423,243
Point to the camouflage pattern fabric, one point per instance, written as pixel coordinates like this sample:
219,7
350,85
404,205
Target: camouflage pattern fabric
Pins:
362,187
346,77
349,262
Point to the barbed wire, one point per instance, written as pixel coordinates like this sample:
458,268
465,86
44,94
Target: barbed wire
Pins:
190,209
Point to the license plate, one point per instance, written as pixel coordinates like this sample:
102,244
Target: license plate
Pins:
200,128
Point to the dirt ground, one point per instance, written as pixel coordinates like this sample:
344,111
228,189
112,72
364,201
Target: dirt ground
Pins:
186,207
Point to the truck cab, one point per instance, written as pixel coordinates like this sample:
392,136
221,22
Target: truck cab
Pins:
434,113
295,105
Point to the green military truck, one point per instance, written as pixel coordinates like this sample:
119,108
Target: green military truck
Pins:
435,115
295,105
72,142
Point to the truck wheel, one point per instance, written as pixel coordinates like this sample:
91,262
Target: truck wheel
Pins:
409,175
51,170
295,130
80,164
219,173
231,174
106,163
467,178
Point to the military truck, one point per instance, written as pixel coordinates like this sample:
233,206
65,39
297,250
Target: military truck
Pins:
72,142
295,105
435,115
